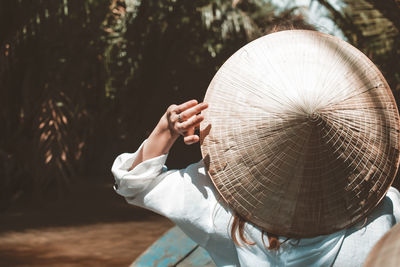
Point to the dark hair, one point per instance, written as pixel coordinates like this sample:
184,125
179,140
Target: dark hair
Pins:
293,23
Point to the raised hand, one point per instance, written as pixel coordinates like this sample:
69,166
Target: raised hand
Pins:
178,120
184,119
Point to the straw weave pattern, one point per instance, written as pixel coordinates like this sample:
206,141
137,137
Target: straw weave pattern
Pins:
301,136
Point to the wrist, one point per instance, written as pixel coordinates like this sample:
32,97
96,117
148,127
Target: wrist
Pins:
162,136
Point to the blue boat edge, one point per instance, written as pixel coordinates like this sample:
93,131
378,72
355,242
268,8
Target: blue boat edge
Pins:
174,248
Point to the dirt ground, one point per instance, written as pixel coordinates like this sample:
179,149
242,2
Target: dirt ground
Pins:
92,226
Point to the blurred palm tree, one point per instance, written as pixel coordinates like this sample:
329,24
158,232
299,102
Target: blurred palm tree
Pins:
373,26
172,50
73,73
48,76
81,81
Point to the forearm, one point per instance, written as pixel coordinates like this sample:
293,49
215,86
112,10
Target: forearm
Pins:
158,143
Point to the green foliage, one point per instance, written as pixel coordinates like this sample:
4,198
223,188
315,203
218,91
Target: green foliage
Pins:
73,75
380,36
49,72
373,26
81,81
169,52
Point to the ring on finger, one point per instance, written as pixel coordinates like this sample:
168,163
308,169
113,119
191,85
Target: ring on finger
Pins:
179,118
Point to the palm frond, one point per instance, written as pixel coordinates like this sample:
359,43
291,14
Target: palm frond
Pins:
372,26
57,147
378,31
390,9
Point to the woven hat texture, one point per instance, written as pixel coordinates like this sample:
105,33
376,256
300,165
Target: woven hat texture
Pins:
387,251
301,137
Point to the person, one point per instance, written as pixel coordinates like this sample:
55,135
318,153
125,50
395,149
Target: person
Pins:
190,198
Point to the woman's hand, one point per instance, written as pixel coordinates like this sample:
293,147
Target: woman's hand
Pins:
178,120
184,119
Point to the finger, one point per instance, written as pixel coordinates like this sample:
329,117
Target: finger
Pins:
189,132
182,107
191,123
191,139
193,111
197,128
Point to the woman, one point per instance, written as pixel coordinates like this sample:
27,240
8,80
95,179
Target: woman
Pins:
210,215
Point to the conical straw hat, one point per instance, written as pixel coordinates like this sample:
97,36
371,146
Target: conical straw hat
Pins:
301,136
386,253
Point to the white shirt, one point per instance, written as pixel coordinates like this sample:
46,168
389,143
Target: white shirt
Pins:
189,199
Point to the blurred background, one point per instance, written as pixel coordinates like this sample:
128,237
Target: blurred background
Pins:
84,80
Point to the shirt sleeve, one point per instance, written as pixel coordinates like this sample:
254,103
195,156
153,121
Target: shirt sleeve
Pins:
185,196
129,183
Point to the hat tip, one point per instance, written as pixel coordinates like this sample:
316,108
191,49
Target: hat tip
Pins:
314,116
